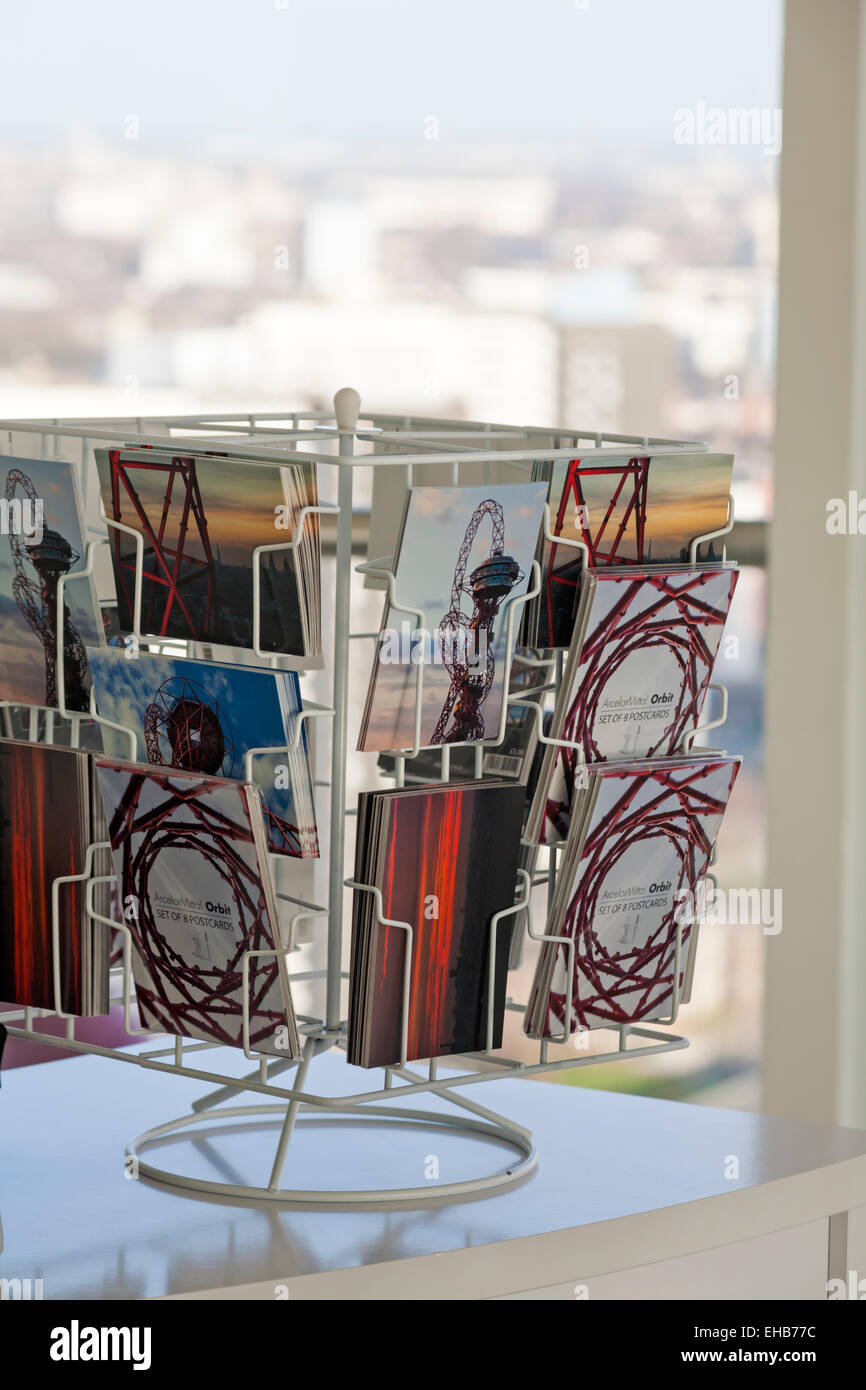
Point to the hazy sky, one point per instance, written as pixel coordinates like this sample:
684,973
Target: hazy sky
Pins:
377,68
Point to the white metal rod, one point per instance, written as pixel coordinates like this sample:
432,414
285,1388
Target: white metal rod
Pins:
222,1093
340,702
667,1042
408,424
291,1117
617,447
481,1111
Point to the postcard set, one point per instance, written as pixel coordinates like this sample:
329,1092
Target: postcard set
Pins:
639,843
429,851
641,658
190,855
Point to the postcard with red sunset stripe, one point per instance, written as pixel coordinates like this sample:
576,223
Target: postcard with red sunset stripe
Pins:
49,813
429,850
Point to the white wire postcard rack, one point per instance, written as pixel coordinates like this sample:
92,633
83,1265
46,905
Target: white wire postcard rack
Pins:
343,441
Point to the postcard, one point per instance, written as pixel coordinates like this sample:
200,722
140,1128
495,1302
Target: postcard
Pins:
204,717
640,662
42,537
190,856
429,850
464,558
640,842
201,517
644,510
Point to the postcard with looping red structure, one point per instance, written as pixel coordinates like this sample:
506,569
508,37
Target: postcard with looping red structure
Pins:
642,837
640,663
190,854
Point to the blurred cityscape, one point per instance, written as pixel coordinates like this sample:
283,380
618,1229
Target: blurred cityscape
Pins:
523,283
517,283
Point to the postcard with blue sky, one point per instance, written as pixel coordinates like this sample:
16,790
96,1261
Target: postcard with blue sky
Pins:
205,717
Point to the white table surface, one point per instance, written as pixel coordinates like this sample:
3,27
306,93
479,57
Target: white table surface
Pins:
621,1180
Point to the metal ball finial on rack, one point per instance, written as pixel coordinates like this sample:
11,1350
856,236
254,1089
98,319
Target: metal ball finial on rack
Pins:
347,407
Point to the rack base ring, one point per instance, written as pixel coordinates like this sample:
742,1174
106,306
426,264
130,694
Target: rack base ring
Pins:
417,1196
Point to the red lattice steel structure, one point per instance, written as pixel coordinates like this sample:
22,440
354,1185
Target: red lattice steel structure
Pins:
283,837
185,993
489,583
167,568
185,726
604,545
51,557
623,986
678,618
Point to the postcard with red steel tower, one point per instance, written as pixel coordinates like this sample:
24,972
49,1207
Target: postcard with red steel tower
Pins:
201,517
42,538
464,557
642,510
205,716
